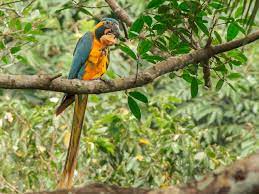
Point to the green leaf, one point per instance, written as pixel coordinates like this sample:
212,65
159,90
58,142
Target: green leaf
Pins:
18,25
132,163
210,152
15,49
22,59
152,58
234,76
187,77
219,84
160,28
194,87
5,59
27,27
218,37
184,6
66,6
139,96
232,32
182,48
134,108
144,46
111,74
203,27
174,4
232,87
235,62
173,41
85,11
163,9
31,38
2,46
105,145
239,12
155,3
2,13
128,51
172,75
221,68
238,55
216,5
147,20
136,27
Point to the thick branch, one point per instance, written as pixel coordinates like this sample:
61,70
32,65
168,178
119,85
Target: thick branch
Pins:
121,13
144,77
241,177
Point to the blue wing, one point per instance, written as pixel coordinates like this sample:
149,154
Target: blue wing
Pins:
81,54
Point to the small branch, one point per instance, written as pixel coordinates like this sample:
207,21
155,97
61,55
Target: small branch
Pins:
125,31
55,77
121,13
144,77
8,3
206,67
206,73
206,63
9,185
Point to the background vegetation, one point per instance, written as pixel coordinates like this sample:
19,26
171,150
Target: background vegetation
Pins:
179,136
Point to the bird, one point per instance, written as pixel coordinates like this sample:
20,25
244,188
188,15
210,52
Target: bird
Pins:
90,62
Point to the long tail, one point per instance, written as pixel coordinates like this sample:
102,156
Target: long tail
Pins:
66,180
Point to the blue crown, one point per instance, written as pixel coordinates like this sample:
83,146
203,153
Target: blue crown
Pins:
110,20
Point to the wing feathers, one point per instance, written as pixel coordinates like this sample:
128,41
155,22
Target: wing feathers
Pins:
81,54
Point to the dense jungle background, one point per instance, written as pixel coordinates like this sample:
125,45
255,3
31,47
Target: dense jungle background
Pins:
183,132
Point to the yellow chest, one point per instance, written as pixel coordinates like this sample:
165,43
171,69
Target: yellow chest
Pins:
97,62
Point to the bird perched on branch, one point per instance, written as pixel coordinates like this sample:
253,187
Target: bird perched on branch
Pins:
91,60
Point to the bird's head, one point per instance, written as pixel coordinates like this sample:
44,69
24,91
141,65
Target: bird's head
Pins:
107,31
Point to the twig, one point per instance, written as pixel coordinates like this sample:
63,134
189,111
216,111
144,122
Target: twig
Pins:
206,63
29,4
8,3
9,185
125,30
136,75
55,77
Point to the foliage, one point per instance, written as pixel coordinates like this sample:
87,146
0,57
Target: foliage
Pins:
182,130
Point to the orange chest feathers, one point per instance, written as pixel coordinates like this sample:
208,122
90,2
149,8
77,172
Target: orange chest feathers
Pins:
97,62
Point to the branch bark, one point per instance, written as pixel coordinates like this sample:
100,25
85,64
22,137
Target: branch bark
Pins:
240,178
121,13
144,77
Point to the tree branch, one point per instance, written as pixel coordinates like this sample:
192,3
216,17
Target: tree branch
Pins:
241,177
206,67
121,13
44,82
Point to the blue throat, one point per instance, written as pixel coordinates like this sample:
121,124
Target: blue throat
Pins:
99,32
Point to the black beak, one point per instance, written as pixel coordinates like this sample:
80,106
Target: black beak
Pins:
116,30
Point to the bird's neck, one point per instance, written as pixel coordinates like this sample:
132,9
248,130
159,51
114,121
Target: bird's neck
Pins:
100,45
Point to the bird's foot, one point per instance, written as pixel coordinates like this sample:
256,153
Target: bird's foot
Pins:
102,79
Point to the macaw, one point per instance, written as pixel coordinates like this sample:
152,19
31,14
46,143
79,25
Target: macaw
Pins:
90,61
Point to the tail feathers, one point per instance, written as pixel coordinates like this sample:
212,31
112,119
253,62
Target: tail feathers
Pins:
66,101
66,180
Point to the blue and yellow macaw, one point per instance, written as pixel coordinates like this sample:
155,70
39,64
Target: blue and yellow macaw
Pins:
90,61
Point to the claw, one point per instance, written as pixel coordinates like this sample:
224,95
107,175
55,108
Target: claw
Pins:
101,79
105,81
